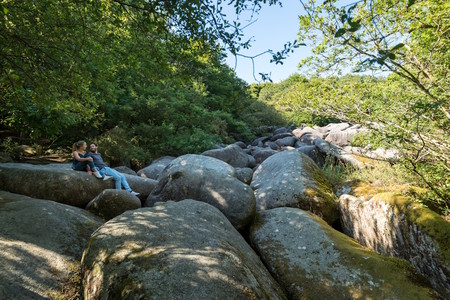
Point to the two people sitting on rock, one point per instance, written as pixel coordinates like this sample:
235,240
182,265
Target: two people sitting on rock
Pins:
119,178
81,160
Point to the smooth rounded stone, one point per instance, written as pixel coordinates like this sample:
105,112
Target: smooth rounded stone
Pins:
280,130
309,139
341,138
175,250
58,182
314,153
155,168
244,174
299,132
272,145
232,155
337,153
311,260
261,154
209,180
409,231
336,127
111,203
290,178
299,144
241,144
286,141
125,170
260,140
41,243
280,136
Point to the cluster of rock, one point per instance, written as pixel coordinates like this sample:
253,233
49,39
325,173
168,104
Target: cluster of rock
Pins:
186,237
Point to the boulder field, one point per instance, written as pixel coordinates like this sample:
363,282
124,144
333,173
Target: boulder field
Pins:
241,221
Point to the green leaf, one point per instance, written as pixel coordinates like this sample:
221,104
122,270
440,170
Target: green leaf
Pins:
340,32
410,3
5,10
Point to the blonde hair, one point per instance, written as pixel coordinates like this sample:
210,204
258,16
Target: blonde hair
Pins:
77,145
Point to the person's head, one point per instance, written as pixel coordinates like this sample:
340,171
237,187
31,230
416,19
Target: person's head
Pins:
80,145
93,147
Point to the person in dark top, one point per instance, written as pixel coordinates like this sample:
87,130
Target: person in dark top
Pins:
119,178
81,161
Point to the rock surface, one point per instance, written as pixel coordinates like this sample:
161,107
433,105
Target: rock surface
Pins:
209,180
60,183
41,243
110,203
313,261
290,178
155,168
175,250
232,155
392,225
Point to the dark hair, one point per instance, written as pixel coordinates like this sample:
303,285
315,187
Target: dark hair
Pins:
77,145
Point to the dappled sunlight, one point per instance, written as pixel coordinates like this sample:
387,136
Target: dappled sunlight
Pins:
31,269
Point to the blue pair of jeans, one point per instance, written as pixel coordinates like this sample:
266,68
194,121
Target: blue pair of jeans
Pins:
81,165
119,179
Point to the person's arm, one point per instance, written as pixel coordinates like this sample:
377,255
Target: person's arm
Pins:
77,157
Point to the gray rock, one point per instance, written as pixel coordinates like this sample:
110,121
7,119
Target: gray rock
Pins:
280,130
111,203
232,155
308,139
313,153
260,140
299,132
241,144
392,225
262,154
209,180
290,178
182,250
244,174
41,244
313,261
341,138
337,153
60,183
272,145
286,141
336,127
280,136
155,168
125,170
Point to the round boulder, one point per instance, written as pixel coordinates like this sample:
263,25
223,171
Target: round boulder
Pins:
111,203
175,250
311,260
209,180
155,168
290,178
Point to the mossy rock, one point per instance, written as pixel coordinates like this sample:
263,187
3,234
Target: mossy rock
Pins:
394,225
311,260
292,179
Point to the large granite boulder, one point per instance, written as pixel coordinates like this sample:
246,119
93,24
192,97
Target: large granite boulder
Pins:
175,250
155,168
337,153
125,170
110,203
209,180
232,155
41,244
393,225
311,260
60,183
290,178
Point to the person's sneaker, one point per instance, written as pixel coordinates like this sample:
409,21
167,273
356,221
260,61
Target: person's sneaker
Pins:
134,193
97,174
106,177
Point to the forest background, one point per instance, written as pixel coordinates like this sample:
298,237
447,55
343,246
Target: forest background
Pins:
146,79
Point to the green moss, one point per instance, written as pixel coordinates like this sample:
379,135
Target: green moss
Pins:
427,220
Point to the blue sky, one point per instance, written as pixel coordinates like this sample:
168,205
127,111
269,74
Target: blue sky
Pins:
275,26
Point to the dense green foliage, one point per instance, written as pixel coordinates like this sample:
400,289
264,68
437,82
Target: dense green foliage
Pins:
144,78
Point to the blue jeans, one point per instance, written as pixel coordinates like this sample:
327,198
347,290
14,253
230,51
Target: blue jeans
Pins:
81,165
119,179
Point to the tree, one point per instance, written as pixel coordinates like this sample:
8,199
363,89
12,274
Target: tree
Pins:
406,37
